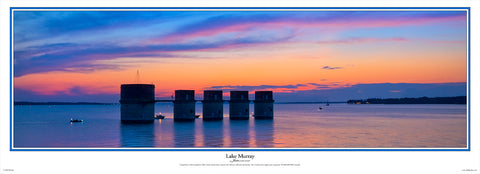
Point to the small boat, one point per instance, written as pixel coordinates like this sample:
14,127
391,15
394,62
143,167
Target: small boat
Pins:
197,116
75,121
159,116
320,108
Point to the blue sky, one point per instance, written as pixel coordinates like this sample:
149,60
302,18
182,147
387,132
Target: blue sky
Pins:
301,55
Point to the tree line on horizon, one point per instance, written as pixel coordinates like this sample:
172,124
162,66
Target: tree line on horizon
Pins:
406,100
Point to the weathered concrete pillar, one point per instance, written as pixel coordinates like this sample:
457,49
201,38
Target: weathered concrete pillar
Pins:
137,103
184,105
212,105
239,105
263,105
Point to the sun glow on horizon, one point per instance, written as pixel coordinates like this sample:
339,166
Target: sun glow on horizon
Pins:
285,52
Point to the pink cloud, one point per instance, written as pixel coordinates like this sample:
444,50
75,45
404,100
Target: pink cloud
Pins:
364,40
341,24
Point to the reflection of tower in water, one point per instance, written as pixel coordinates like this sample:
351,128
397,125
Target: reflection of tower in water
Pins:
184,134
264,123
264,132
137,135
240,133
213,134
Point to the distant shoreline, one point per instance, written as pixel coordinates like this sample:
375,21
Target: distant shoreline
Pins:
420,100
307,102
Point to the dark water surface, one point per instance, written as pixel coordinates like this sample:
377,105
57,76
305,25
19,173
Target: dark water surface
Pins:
295,125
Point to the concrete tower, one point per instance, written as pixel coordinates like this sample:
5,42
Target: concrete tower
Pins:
263,105
137,103
239,105
184,105
212,105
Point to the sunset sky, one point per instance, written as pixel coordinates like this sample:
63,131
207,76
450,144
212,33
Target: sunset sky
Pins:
300,55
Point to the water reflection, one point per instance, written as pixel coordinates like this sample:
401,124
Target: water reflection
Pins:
264,133
294,126
184,134
240,133
213,133
137,135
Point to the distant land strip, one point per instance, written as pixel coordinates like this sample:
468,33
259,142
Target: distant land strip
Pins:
421,100
306,102
60,103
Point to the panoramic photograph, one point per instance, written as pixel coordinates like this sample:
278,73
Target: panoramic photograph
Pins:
246,79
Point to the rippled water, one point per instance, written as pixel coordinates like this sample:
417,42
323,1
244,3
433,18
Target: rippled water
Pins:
295,125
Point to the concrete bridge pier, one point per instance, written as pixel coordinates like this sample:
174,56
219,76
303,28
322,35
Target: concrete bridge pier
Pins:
184,105
239,105
212,105
263,105
137,103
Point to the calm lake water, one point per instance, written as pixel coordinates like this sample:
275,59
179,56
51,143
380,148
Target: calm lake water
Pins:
294,125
